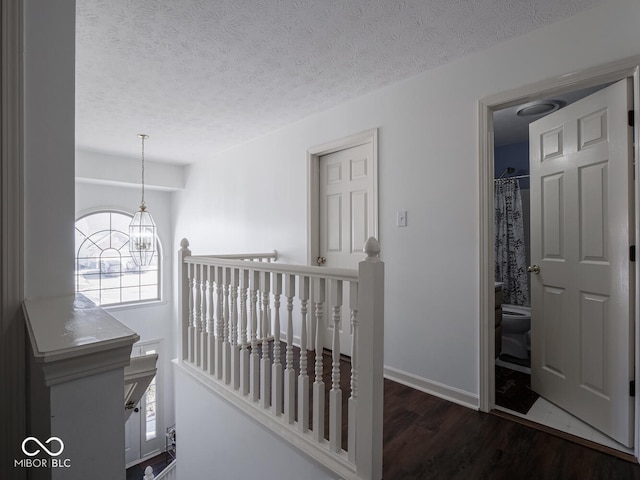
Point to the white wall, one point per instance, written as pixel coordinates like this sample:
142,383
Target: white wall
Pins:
103,168
214,440
49,115
254,197
153,321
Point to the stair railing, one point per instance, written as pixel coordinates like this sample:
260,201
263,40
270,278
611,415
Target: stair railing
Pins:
237,337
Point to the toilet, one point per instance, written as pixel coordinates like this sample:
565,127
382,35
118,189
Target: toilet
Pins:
516,323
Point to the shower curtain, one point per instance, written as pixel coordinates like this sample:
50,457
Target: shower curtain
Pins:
511,268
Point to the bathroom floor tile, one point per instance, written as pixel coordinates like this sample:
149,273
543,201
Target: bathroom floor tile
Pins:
580,429
538,412
546,413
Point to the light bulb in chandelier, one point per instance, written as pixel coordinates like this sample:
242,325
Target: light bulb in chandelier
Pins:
142,229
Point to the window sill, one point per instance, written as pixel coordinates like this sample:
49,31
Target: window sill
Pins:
135,306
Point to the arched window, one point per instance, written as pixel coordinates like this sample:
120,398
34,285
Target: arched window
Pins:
104,270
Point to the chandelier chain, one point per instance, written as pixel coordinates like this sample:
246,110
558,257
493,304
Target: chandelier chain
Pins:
143,137
142,170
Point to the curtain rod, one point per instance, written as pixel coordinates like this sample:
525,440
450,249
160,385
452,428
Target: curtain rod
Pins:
509,178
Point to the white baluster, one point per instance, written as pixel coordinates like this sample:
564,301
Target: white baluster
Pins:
289,372
267,316
265,362
192,321
235,348
276,368
226,345
353,399
211,338
202,342
254,390
303,378
198,314
219,320
183,300
318,384
244,353
335,395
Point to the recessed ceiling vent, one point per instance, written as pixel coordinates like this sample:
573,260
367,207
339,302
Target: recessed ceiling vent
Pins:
540,107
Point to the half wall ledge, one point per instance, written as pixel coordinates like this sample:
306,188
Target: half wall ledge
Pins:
71,337
75,388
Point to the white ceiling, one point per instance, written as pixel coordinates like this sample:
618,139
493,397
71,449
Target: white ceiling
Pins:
200,76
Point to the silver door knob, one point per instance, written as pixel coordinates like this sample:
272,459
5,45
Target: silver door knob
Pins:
533,269
321,260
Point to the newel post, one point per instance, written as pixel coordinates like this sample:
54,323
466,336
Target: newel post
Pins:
183,299
370,363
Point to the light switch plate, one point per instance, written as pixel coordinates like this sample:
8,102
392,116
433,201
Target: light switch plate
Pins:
401,219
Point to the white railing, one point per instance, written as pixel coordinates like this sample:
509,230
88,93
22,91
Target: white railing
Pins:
255,257
231,339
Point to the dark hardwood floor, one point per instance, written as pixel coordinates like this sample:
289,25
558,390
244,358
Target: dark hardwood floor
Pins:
158,463
429,438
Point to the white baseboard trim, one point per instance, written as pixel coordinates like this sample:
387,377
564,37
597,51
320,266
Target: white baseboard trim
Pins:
437,389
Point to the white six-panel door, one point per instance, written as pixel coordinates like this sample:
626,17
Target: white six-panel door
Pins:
581,224
346,217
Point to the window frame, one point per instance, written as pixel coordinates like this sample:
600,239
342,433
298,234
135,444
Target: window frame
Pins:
160,274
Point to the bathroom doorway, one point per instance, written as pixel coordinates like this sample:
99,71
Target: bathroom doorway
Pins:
512,227
511,160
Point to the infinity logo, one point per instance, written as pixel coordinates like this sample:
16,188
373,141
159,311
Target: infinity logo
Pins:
34,439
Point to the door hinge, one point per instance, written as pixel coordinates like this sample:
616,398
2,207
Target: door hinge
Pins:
632,253
631,118
632,388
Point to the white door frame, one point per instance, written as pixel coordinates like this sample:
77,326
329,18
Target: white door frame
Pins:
12,331
610,72
313,185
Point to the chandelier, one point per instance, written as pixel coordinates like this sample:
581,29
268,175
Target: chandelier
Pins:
142,229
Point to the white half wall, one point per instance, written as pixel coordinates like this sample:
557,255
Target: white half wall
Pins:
253,197
215,440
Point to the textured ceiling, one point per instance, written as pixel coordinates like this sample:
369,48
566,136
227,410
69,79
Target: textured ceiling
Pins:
201,76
